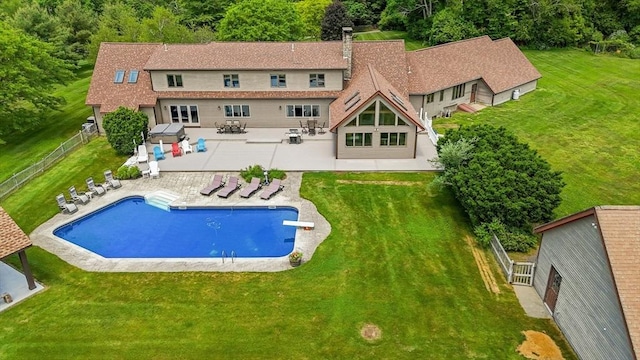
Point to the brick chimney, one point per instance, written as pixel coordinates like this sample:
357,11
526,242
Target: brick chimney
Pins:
347,49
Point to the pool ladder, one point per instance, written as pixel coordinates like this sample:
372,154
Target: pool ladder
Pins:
232,255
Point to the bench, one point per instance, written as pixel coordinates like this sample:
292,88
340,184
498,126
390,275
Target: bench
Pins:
307,225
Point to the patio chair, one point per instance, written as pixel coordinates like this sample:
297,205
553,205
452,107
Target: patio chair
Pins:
158,153
65,206
200,146
96,189
154,169
231,187
143,156
251,189
312,124
243,129
304,128
186,147
214,186
78,198
110,181
175,149
273,188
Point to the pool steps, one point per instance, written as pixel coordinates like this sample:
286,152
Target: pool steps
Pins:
161,199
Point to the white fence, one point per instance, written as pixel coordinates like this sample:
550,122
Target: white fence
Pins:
518,273
20,179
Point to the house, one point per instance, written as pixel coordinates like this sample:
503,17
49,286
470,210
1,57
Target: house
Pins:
587,275
373,95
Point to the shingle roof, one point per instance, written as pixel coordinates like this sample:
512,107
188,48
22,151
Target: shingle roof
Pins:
387,57
620,229
248,56
366,86
12,238
500,63
108,95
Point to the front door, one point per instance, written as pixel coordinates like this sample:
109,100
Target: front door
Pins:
553,288
474,89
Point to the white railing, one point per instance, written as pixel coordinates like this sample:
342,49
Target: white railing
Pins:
517,273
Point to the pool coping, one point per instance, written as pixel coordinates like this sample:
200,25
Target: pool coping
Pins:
306,241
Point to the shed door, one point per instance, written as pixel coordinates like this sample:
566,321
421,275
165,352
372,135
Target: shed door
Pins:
474,90
553,288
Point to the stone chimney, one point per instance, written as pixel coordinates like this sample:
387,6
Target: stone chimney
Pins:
347,49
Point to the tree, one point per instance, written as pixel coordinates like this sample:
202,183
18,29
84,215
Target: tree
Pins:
164,26
117,24
260,20
29,73
311,13
449,25
204,13
498,178
335,18
123,128
81,23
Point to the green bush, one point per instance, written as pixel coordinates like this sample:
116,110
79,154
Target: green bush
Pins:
258,171
511,239
123,128
128,172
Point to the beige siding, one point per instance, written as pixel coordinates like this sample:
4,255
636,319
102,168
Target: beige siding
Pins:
437,107
484,94
263,113
151,115
587,310
249,80
99,116
506,95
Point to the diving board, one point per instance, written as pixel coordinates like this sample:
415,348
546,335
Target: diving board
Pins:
302,224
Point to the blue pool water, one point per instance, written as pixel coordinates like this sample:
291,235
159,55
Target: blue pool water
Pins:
130,228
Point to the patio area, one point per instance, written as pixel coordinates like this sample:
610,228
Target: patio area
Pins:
271,149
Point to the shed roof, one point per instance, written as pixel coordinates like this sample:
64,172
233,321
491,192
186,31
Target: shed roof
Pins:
499,62
620,229
248,56
12,238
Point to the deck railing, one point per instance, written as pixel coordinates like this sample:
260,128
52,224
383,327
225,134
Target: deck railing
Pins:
518,273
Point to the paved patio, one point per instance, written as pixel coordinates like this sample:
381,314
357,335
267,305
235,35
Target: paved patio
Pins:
15,284
187,185
271,149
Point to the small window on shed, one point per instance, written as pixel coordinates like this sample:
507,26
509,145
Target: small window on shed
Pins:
119,77
133,76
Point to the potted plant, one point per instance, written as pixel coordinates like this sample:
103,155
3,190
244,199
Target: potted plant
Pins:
295,258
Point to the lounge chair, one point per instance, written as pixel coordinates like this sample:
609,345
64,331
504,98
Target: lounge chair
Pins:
143,156
96,189
273,188
158,153
231,187
65,206
186,147
78,198
154,169
200,147
110,181
251,189
214,186
175,149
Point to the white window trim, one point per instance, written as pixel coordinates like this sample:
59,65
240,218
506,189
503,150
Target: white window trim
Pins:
189,117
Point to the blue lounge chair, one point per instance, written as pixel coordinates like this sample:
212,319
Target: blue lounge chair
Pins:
158,153
200,147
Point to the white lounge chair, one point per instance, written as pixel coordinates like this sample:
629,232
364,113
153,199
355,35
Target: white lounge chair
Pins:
154,169
96,189
143,156
186,147
65,206
110,181
78,198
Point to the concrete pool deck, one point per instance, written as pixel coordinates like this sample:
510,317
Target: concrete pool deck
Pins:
187,185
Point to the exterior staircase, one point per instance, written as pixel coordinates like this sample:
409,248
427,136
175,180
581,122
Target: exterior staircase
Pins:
161,199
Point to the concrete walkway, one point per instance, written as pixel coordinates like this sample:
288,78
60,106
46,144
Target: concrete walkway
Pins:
14,283
270,148
531,302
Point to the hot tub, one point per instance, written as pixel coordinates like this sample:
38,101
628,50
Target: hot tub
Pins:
168,133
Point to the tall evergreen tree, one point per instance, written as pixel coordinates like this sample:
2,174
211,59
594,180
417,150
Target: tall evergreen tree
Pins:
335,18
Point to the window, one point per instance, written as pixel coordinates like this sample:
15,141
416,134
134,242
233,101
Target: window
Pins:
387,117
184,114
133,76
430,98
458,92
303,110
174,80
236,111
231,80
119,77
368,117
278,80
316,80
358,139
441,95
393,139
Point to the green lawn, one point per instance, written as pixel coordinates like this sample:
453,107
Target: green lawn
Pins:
409,44
584,120
22,150
395,258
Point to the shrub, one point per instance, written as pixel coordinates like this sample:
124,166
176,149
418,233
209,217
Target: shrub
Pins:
123,128
258,171
511,239
128,172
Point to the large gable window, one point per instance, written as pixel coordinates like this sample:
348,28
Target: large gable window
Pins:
316,80
387,117
278,80
368,117
231,80
184,114
237,111
458,92
174,80
119,78
358,139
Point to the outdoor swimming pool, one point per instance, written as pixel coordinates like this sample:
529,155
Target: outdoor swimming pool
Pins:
130,228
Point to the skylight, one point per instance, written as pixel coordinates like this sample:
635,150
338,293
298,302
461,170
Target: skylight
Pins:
133,76
357,100
119,77
352,96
